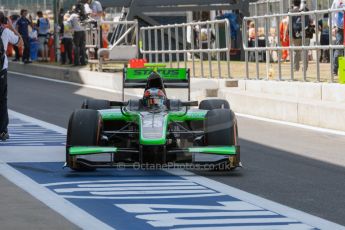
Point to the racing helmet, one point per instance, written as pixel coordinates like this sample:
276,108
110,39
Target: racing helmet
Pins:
154,98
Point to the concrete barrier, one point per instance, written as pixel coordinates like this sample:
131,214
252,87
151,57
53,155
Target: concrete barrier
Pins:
333,92
315,104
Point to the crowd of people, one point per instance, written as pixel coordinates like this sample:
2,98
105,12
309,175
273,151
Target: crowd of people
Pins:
20,30
308,29
31,32
73,30
38,37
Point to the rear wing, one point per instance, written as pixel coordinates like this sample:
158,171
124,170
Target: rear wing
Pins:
178,78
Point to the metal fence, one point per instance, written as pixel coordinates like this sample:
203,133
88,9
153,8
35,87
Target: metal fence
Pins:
32,5
114,33
271,23
203,44
109,43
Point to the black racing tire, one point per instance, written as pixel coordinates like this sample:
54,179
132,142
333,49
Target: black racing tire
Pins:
210,104
95,104
84,129
220,128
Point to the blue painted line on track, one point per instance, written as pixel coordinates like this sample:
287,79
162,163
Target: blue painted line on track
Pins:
139,199
23,133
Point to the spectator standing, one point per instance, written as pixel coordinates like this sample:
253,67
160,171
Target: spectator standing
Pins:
14,20
43,26
96,14
79,36
338,22
96,10
324,37
297,32
8,35
251,40
67,41
23,28
284,36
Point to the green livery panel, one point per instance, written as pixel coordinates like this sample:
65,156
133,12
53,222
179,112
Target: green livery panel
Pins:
221,150
214,150
116,115
152,126
153,129
85,150
166,73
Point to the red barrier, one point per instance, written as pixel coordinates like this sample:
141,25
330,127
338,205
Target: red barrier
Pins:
51,49
137,63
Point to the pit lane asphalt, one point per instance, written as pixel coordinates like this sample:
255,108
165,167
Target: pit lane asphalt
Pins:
280,161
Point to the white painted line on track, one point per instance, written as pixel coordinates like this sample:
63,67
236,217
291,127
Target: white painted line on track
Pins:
60,205
175,188
71,212
140,197
38,122
296,125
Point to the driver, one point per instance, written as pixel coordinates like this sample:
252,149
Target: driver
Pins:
154,99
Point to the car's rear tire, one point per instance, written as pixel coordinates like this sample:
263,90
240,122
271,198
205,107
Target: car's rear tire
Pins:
95,104
210,104
84,129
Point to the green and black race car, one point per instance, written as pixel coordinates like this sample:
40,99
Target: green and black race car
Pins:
153,130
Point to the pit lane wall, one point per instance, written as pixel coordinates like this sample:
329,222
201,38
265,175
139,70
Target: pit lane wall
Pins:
316,104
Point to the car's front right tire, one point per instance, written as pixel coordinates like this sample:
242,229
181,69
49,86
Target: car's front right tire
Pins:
84,129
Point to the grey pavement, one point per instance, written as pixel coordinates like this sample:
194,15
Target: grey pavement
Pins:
299,168
21,211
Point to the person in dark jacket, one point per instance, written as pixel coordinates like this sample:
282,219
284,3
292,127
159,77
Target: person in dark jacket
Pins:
324,38
23,28
298,30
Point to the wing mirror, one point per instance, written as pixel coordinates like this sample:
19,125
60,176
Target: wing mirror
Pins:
176,105
189,103
118,103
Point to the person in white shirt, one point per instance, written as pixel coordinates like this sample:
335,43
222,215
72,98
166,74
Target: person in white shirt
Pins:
79,36
8,35
95,10
14,18
67,40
